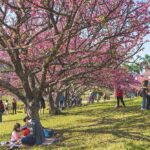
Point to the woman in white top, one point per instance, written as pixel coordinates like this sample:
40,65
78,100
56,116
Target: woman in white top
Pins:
6,107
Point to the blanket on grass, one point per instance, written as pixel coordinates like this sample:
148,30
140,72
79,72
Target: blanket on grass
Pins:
48,141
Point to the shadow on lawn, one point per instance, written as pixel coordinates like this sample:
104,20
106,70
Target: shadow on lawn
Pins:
14,120
132,146
96,111
116,132
119,127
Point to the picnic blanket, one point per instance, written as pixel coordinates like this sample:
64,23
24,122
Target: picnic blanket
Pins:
10,145
48,141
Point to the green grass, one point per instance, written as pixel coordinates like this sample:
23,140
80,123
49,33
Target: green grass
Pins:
98,127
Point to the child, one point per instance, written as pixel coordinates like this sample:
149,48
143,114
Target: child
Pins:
15,137
7,107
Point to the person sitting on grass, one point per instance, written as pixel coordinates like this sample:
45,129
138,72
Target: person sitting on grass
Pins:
48,133
25,131
16,137
28,133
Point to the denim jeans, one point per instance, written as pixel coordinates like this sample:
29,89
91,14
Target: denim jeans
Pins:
144,102
28,140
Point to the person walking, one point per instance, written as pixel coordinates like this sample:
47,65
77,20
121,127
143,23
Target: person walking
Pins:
119,96
1,110
14,106
144,90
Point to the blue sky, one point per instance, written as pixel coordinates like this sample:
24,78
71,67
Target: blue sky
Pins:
146,47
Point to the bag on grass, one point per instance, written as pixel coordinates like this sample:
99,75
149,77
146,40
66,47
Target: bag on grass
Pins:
48,133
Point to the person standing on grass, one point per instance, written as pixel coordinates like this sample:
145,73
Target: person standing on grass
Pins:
148,98
144,90
6,107
14,106
42,104
119,96
61,101
1,110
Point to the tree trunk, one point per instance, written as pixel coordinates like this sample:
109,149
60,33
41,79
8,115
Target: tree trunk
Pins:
37,126
67,103
53,106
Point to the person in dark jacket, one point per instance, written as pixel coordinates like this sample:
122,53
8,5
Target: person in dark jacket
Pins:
148,98
1,110
42,104
14,106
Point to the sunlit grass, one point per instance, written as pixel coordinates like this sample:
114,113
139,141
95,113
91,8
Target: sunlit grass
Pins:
98,127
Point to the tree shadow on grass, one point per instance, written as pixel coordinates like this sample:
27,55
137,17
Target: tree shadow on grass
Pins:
119,136
116,132
132,146
109,110
14,120
120,128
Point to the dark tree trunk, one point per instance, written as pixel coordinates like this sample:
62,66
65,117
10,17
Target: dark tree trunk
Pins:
67,98
53,105
38,129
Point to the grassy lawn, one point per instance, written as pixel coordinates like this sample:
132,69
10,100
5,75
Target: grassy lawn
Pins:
98,127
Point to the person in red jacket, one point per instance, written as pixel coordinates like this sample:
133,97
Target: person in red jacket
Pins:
119,96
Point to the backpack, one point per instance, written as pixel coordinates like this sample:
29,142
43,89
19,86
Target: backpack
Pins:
2,108
48,133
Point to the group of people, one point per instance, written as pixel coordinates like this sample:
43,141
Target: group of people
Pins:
5,108
145,94
27,134
76,100
93,96
23,135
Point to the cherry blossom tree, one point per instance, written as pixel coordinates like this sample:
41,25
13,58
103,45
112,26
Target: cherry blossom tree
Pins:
47,43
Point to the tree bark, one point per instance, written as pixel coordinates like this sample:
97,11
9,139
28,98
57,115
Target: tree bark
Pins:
33,111
67,103
53,105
